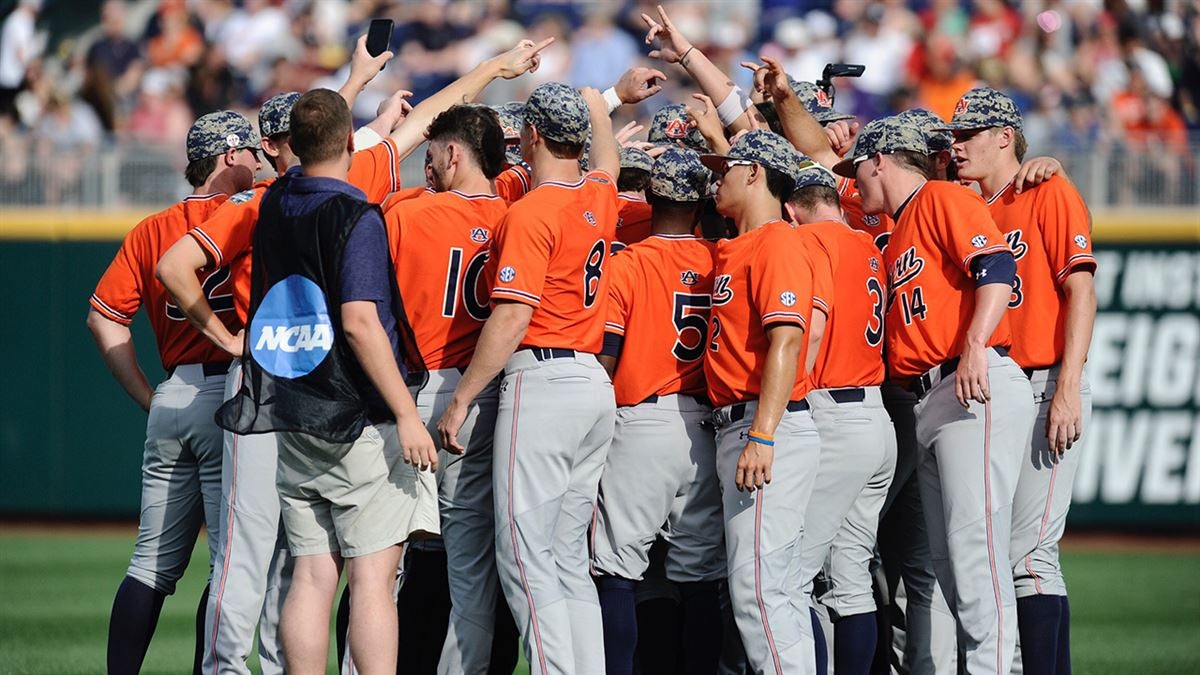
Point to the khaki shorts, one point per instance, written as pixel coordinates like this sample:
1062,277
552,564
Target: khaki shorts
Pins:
352,499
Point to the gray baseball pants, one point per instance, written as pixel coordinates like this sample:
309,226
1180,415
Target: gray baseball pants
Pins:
970,462
764,532
553,431
252,569
181,477
1044,494
858,458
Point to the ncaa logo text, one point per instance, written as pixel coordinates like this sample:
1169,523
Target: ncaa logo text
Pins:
291,331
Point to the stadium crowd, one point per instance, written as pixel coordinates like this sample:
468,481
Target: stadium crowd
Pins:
1089,75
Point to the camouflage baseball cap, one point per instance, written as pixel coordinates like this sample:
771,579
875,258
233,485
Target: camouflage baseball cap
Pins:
817,102
217,132
933,127
812,173
671,126
882,136
984,108
761,147
275,115
679,176
634,158
558,112
509,115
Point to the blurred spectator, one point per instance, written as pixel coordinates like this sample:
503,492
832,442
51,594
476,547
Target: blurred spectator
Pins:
805,45
942,78
600,52
19,48
65,134
113,67
177,43
883,48
161,116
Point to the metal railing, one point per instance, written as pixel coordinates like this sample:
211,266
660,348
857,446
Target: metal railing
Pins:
122,176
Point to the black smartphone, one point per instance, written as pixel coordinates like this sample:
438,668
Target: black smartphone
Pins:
379,37
833,70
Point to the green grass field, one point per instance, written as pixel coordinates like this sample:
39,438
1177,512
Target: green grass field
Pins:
1131,612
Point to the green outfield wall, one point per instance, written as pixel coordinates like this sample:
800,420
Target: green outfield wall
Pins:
71,441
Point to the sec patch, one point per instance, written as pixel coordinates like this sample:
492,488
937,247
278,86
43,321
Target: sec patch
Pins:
787,298
507,274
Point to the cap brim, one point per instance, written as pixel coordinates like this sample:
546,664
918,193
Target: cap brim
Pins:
827,117
845,168
714,163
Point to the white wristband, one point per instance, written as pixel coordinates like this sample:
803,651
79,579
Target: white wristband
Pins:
366,137
732,107
612,99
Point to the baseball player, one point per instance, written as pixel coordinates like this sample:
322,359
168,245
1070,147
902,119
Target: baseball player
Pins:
453,229
950,272
181,467
767,445
660,473
633,216
1052,309
251,553
556,407
321,370
858,443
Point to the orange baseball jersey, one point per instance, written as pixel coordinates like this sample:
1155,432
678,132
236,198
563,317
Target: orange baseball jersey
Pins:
1049,231
633,220
879,226
439,245
228,236
513,183
129,283
550,251
404,195
851,353
931,299
659,297
764,277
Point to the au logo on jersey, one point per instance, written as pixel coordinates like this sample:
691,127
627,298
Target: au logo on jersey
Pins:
479,235
507,274
590,218
689,278
721,293
291,333
979,241
1018,246
906,267
1081,241
874,264
871,221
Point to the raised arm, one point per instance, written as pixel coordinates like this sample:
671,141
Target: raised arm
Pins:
363,69
799,126
674,47
523,58
605,154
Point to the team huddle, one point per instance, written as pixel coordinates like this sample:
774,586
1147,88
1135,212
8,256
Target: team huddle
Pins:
680,405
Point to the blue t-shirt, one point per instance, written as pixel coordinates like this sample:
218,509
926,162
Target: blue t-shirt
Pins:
365,274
